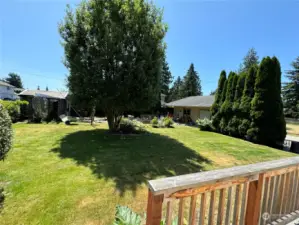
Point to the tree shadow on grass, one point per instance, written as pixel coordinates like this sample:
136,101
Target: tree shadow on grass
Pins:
130,160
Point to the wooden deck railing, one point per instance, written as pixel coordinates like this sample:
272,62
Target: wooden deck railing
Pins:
262,193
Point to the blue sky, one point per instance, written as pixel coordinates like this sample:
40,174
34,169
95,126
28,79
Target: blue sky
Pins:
213,34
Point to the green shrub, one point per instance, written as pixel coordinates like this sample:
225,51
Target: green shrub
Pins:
205,124
125,216
167,122
155,122
243,127
131,126
5,140
268,125
5,132
40,109
1,198
232,126
13,108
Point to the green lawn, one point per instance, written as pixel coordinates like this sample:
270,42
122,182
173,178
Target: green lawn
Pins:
293,129
58,174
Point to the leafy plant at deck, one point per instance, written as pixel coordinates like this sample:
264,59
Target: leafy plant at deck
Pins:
125,216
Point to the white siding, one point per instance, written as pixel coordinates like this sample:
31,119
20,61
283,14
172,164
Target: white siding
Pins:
205,114
194,114
7,93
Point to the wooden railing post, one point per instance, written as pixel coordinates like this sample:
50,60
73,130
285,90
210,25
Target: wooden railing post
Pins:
154,209
254,201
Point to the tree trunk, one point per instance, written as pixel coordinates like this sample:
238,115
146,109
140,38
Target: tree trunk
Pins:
113,122
93,112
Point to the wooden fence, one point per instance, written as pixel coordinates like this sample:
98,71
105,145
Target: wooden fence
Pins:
256,194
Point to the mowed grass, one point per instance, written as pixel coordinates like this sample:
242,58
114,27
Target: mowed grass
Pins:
58,174
293,129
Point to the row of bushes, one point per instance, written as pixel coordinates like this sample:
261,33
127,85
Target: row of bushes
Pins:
165,122
249,105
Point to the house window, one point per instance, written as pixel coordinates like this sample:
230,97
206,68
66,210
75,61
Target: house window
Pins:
187,112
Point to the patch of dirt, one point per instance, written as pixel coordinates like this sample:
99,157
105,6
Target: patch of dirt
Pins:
92,222
86,201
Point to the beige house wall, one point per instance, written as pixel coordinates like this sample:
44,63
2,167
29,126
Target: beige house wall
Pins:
195,112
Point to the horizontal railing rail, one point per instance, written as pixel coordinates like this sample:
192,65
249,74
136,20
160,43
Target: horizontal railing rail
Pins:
261,193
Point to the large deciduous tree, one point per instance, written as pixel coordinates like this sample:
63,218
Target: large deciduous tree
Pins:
215,110
14,80
192,83
268,125
290,91
114,52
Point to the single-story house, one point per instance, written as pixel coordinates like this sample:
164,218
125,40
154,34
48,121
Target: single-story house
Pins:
7,91
57,102
193,107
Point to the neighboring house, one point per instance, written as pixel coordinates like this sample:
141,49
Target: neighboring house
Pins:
7,91
194,107
57,102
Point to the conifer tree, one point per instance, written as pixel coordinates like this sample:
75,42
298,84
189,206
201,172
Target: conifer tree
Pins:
236,119
218,100
226,107
245,105
290,91
268,125
175,92
218,97
166,77
192,83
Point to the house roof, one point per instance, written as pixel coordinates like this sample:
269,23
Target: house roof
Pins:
193,101
6,84
46,94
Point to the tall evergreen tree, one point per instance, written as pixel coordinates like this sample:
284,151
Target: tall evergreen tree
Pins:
192,83
227,106
218,100
247,96
175,92
223,95
230,112
236,120
250,59
166,77
268,125
290,91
